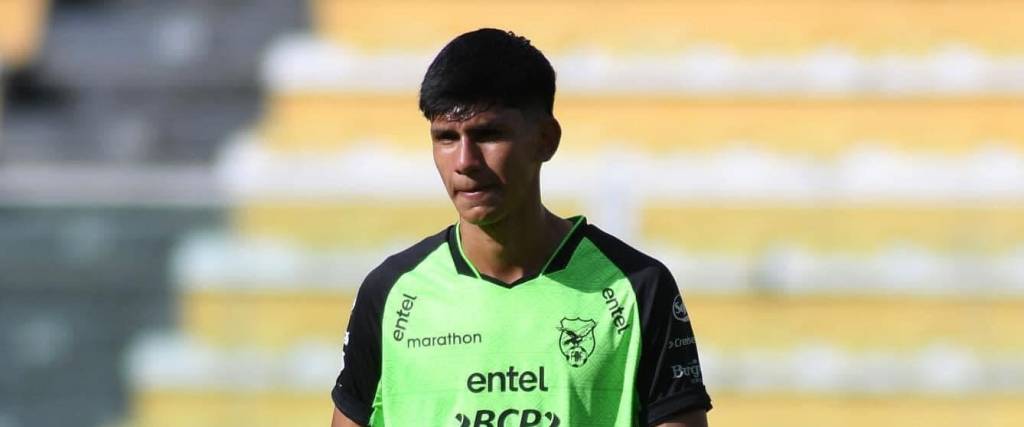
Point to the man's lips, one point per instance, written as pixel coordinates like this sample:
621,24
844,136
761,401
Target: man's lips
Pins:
475,191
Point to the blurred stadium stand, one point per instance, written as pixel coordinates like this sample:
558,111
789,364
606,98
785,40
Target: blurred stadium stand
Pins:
192,190
112,114
21,26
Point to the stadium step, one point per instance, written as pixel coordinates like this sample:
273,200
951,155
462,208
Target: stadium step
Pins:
198,408
352,223
808,410
286,317
325,121
204,408
21,30
834,227
271,319
731,227
346,224
750,26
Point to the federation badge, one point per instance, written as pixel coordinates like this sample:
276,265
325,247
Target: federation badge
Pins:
577,340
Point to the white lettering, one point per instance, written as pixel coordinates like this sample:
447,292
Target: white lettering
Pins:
691,370
680,342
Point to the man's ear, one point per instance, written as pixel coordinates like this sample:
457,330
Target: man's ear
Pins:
550,136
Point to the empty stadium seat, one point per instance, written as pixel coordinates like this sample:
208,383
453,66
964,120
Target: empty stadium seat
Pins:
185,381
827,227
836,188
21,30
304,62
326,121
752,27
290,314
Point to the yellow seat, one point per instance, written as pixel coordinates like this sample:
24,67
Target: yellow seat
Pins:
203,408
733,323
209,408
267,318
867,228
350,224
353,224
749,26
858,324
794,410
22,23
328,121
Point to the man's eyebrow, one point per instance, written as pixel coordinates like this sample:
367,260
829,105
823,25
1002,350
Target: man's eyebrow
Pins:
485,128
441,131
480,129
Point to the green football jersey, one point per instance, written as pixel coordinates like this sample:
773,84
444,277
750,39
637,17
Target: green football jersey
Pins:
599,337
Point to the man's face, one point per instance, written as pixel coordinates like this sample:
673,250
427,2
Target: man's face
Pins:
490,162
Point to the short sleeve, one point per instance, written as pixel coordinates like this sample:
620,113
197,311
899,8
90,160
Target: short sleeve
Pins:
669,376
355,390
356,385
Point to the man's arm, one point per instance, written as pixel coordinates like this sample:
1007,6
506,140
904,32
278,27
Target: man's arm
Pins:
695,418
669,374
359,377
340,420
668,377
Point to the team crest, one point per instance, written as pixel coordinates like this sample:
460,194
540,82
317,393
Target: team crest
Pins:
679,310
577,340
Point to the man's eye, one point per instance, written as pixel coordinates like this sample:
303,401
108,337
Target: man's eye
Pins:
444,139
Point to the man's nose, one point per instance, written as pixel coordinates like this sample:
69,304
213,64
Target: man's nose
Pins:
470,158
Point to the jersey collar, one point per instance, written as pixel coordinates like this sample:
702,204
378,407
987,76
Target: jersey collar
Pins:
557,261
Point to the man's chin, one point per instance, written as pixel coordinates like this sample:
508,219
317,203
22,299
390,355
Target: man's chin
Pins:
481,215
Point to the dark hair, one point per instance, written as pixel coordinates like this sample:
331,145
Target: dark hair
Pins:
484,68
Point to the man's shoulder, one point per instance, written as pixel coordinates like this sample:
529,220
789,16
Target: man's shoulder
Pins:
651,281
384,276
407,259
633,263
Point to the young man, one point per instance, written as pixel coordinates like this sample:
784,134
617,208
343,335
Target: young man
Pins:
513,316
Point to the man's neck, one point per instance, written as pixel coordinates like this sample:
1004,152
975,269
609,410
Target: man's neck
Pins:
515,247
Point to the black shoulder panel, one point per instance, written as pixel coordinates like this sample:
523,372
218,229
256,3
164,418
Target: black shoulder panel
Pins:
356,386
668,378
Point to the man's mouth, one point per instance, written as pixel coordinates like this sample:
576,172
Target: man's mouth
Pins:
475,191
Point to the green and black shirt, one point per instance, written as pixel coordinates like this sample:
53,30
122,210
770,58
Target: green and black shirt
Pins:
600,337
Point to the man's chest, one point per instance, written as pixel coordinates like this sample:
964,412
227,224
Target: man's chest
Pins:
471,346
542,319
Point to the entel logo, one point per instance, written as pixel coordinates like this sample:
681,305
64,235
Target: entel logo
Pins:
527,418
408,301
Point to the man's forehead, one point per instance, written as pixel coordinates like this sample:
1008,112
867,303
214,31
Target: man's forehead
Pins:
495,115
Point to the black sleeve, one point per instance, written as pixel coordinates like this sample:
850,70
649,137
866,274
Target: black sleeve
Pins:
356,386
669,376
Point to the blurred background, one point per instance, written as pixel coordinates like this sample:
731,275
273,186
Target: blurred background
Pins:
191,191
